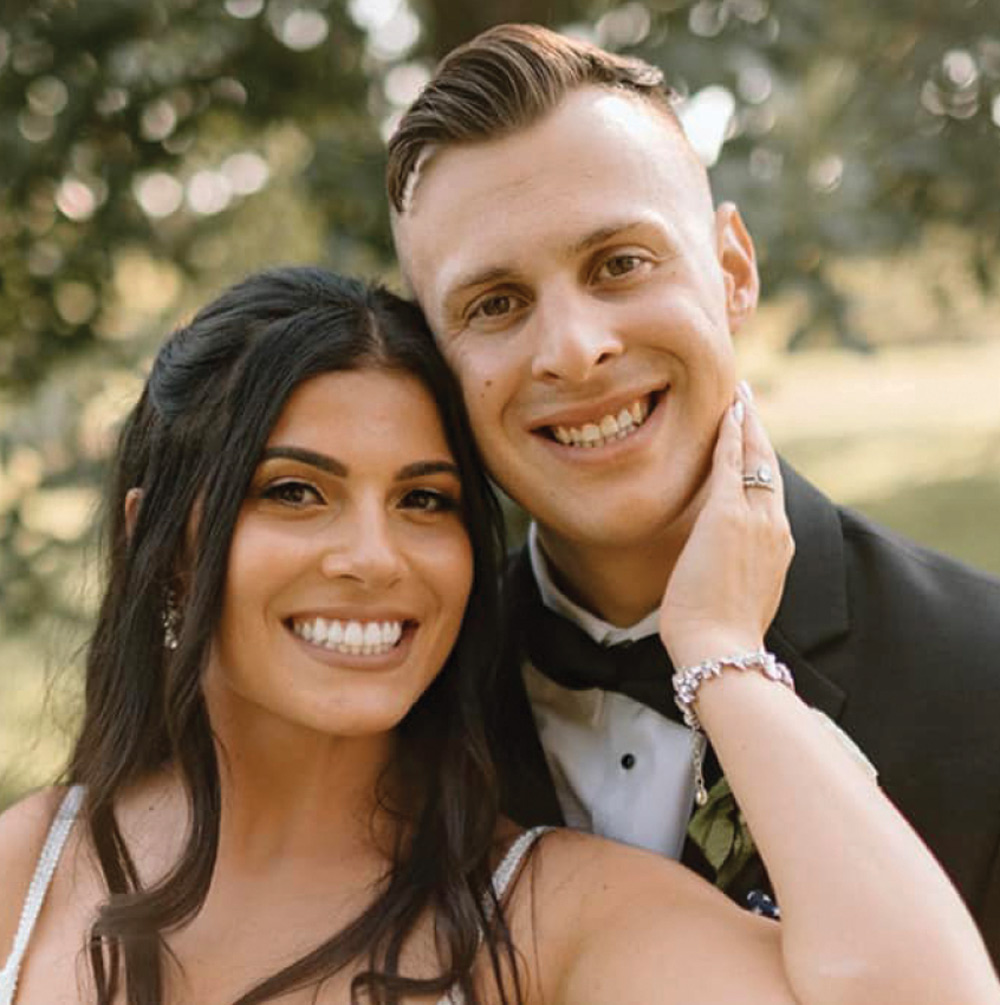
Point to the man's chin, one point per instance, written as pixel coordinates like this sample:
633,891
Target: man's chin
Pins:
632,523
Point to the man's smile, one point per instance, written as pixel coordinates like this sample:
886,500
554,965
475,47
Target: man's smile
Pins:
591,427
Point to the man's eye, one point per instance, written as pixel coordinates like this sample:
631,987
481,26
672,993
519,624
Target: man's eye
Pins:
292,493
619,265
494,307
429,501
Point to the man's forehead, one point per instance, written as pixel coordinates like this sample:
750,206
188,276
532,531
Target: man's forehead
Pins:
596,144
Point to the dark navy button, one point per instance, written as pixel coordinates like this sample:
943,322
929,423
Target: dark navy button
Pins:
628,761
760,903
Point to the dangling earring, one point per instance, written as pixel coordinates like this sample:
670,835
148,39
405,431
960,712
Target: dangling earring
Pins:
171,621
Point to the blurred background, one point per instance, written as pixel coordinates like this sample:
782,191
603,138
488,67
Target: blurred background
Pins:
150,153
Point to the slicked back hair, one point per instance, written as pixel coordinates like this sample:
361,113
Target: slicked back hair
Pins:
504,80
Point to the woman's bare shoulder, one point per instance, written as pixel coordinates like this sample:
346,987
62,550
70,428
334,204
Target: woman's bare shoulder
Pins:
609,922
594,874
23,829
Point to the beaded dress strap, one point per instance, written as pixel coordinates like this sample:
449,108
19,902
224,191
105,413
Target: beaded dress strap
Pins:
507,869
504,873
47,862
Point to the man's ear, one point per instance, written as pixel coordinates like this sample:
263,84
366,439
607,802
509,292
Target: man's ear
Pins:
133,500
739,265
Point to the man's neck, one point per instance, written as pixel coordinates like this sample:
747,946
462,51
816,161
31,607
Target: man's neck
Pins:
617,584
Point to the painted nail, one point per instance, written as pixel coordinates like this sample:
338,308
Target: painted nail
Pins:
746,391
738,412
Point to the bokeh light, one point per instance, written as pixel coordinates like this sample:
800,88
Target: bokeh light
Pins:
76,199
158,193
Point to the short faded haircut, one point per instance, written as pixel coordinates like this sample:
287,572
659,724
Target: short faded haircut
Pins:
504,80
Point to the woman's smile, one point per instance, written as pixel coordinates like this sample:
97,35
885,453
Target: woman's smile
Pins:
356,643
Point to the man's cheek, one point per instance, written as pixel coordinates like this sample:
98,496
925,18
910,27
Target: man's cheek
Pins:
479,382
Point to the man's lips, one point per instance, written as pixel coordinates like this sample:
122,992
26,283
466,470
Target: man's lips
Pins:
597,426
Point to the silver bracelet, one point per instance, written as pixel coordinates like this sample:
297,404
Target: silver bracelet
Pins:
687,681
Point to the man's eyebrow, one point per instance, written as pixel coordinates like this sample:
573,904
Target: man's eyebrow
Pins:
420,469
496,273
310,457
603,234
481,277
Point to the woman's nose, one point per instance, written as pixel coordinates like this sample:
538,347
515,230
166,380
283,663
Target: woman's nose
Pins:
364,549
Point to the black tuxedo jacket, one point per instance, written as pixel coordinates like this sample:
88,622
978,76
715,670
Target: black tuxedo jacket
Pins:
901,647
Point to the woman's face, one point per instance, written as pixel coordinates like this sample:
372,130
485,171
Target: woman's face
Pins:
350,566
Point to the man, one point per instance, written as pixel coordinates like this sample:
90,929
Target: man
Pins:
559,232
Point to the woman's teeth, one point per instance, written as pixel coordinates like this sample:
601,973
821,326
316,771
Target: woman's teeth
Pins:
352,638
605,430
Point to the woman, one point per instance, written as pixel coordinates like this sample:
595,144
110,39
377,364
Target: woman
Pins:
283,765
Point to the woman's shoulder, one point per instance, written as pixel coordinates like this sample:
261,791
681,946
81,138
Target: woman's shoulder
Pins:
609,920
23,830
596,874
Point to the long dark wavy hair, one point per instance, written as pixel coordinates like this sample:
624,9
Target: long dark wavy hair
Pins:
217,387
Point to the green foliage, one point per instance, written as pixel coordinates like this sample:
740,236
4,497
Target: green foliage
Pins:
151,151
857,126
99,97
170,142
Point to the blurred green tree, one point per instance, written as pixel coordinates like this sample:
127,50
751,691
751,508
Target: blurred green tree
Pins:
857,128
118,124
149,151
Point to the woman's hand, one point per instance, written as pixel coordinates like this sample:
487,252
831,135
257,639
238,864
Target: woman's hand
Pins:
726,586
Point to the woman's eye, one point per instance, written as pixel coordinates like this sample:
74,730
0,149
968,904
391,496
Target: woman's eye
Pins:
429,501
619,265
292,493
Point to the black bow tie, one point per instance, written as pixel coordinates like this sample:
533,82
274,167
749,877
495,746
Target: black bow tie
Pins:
566,654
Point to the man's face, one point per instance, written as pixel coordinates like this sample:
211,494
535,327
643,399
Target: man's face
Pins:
584,290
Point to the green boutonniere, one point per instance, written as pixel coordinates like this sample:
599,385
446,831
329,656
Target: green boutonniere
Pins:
720,830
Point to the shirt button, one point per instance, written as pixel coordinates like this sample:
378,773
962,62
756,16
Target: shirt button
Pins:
628,761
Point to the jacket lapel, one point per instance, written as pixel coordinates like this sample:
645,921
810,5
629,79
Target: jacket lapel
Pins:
528,793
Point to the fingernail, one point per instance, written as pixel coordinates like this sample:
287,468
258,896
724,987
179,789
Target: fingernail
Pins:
746,390
738,412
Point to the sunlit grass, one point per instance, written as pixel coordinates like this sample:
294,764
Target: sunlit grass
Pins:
39,709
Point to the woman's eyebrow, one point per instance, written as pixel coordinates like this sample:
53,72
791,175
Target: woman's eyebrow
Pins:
420,469
310,457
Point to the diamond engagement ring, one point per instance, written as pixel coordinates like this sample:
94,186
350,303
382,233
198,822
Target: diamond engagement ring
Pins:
762,478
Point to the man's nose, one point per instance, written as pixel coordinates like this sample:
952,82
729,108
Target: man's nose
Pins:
363,548
572,341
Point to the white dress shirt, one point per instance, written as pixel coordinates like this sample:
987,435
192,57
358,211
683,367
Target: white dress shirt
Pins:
620,769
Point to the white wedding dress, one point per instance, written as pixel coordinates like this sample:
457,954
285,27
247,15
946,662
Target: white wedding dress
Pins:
59,831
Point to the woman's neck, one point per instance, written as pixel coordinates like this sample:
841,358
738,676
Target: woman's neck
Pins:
291,791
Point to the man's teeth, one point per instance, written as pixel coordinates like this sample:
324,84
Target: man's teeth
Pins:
353,638
607,430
